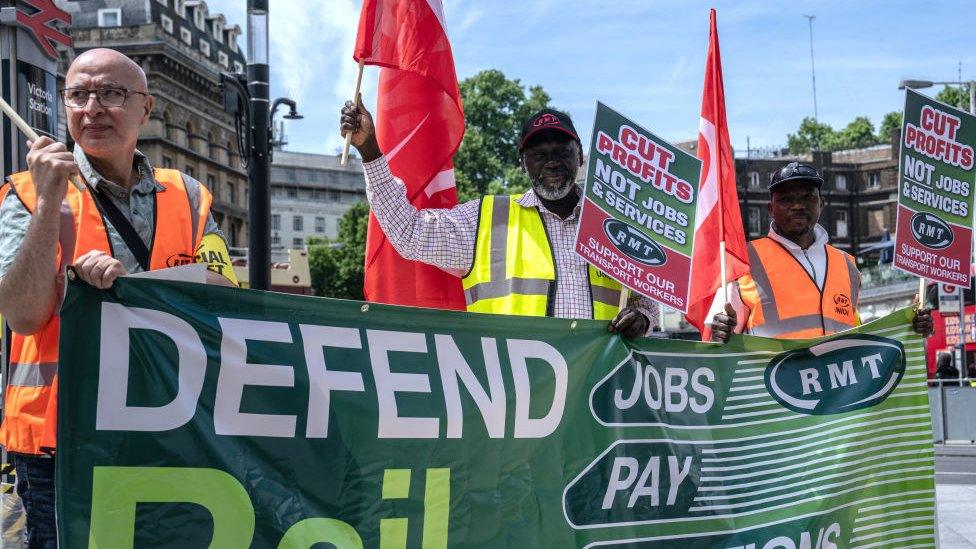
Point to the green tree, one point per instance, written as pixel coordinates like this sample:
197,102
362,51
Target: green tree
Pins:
858,134
957,96
337,264
891,122
494,109
811,135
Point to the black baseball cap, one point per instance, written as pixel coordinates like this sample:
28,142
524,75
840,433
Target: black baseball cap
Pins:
796,171
547,120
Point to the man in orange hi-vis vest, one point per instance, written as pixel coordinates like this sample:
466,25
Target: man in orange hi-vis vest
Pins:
799,286
130,218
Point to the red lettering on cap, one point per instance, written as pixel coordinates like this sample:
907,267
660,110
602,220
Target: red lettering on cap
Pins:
546,120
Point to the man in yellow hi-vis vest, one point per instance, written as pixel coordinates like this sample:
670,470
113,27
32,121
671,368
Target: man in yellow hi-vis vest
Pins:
129,218
799,286
514,253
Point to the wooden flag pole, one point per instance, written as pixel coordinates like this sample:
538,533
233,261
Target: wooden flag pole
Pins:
722,268
25,128
355,97
624,297
921,292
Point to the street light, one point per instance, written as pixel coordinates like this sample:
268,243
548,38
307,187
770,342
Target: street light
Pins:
292,115
259,172
917,84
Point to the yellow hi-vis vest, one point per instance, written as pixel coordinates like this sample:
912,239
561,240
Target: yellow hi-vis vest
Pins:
514,272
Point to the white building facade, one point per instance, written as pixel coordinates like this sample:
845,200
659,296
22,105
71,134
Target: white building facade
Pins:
309,194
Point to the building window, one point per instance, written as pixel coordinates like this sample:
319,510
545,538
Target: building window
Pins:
292,192
275,240
205,47
167,162
840,182
186,35
179,6
232,38
211,182
753,180
297,223
333,196
188,170
876,221
755,225
231,193
841,217
167,23
297,242
275,222
874,180
238,67
199,17
320,225
218,31
222,59
232,158
110,17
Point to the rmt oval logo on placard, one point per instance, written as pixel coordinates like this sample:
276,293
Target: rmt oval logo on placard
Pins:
634,243
931,231
837,376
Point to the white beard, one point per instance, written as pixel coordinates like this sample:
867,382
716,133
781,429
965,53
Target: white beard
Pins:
552,194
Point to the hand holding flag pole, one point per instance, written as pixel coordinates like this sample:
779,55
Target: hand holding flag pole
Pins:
25,128
355,97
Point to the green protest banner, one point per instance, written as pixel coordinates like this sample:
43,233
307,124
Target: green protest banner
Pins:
637,224
934,237
195,416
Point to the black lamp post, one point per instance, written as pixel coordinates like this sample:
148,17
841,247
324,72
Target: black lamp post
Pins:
246,96
259,172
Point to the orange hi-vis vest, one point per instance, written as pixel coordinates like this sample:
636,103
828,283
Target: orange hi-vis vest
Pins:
30,410
784,300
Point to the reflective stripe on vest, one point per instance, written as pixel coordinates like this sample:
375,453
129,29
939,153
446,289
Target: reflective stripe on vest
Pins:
768,318
32,374
514,272
30,400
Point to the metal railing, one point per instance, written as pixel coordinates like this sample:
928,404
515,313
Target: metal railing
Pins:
878,275
952,401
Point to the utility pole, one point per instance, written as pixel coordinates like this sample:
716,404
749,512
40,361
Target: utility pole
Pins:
259,195
813,71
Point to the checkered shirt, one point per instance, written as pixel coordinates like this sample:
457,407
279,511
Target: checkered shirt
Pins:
446,238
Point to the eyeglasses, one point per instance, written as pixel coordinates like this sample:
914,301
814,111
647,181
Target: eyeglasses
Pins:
77,98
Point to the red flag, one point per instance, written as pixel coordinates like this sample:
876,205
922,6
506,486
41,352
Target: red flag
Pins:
419,124
718,215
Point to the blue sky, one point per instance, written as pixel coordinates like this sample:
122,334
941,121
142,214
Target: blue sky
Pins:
645,59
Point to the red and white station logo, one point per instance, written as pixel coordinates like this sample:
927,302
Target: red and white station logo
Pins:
40,24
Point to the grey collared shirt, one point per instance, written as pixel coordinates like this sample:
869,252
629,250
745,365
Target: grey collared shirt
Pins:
137,204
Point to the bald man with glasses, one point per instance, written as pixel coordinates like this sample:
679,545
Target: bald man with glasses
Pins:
130,218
